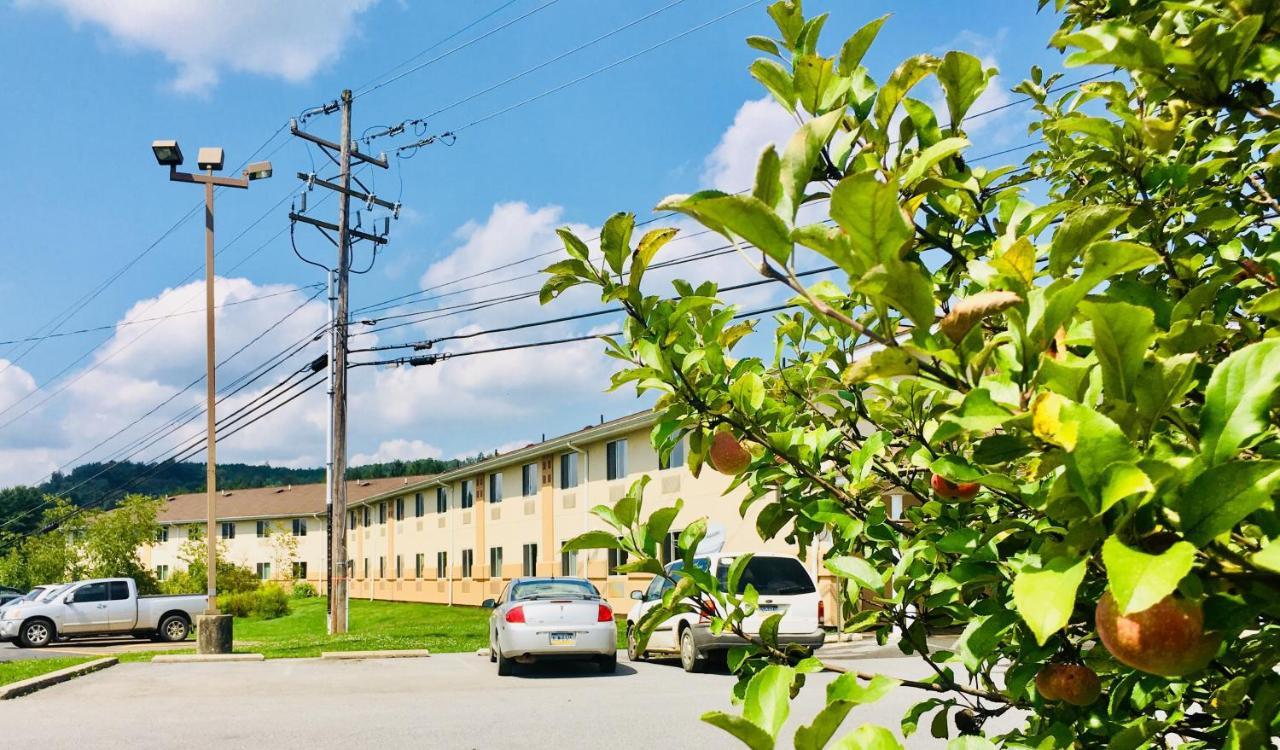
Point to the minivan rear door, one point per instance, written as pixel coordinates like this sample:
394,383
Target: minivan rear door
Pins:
784,587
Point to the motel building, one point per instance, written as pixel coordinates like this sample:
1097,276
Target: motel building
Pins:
458,537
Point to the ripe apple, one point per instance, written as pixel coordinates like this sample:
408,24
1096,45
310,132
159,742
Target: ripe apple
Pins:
945,488
1166,639
1072,683
728,456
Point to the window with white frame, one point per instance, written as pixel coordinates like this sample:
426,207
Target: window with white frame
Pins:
399,508
568,562
495,562
419,505
674,459
399,566
442,564
442,500
530,560
495,487
228,530
365,573
568,470
299,527
468,493
529,480
419,564
468,558
264,570
351,519
162,535
617,558
382,513
382,566
615,459
263,529
671,547
367,524
300,570
162,572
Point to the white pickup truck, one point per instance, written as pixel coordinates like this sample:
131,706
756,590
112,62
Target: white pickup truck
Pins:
103,606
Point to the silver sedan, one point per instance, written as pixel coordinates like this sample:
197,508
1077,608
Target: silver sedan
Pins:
538,619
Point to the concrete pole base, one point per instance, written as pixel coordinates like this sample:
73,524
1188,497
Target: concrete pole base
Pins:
213,634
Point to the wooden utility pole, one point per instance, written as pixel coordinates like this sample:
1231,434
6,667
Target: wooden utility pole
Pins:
337,460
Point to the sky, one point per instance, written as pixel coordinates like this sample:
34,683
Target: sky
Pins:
92,241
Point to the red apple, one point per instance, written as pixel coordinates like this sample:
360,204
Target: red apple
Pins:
945,488
1071,683
728,456
1166,639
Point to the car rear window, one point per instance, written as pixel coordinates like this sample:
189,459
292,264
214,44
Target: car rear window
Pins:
552,589
773,576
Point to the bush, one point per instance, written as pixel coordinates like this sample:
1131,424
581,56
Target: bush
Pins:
271,602
241,604
303,590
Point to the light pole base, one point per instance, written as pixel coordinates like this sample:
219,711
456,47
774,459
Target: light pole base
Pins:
213,634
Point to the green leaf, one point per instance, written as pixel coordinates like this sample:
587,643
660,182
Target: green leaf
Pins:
574,246
749,734
692,536
768,187
1122,333
904,77
970,742
889,362
801,157
769,629
1093,443
592,540
777,80
650,244
868,211
1102,260
818,86
963,80
615,239
1046,597
768,698
1122,480
1079,229
981,636
1268,557
747,393
856,46
1223,496
858,570
868,737
764,44
742,216
930,156
905,286
1139,580
1236,401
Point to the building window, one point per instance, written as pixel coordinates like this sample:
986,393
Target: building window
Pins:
419,505
442,565
366,517
495,487
228,530
399,566
675,459
299,527
162,572
442,500
263,528
365,573
399,508
162,535
617,558
615,459
529,480
495,562
671,547
351,519
568,470
195,531
568,563
468,493
300,571
382,513
530,559
382,566
264,570
419,564
467,560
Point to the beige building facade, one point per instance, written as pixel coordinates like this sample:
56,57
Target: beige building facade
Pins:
458,537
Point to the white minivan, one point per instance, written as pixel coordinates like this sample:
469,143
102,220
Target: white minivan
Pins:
785,587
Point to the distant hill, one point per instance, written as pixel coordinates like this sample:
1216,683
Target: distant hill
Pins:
103,484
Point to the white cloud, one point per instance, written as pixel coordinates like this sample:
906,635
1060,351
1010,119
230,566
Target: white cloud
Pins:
731,166
287,39
396,450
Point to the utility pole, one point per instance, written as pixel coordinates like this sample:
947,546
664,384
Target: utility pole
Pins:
342,154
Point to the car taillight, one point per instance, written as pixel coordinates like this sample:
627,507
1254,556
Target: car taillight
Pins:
515,614
822,613
706,612
604,614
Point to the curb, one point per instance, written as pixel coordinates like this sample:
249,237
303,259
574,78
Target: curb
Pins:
23,687
193,658
402,654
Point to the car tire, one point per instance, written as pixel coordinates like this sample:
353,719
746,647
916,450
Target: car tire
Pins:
690,659
493,650
506,667
609,663
172,629
633,647
36,634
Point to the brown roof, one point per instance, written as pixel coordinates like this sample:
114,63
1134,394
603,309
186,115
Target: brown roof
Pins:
273,502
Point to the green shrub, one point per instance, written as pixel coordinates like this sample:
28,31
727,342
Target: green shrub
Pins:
303,590
240,604
271,602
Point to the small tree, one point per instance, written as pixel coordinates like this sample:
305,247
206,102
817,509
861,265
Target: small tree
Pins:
112,541
1076,398
284,550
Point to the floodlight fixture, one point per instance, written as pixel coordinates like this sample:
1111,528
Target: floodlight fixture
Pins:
167,153
209,157
258,170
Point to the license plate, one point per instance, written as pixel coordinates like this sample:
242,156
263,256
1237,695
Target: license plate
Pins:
769,608
563,639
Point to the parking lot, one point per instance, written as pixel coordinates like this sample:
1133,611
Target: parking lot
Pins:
88,647
445,701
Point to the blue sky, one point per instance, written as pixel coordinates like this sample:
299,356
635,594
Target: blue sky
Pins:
90,84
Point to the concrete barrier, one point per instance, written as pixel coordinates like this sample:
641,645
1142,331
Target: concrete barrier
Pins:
192,658
39,682
403,654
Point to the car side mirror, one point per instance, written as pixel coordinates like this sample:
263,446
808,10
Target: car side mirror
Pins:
488,604
637,595
68,599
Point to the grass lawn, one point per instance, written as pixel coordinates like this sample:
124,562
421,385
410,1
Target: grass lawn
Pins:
375,625
13,671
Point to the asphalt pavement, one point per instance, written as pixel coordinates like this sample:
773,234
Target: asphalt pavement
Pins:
444,701
89,647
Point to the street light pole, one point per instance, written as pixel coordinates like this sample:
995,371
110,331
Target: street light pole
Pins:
214,630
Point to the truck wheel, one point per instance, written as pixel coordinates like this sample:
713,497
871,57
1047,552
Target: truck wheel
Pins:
173,628
35,634
689,657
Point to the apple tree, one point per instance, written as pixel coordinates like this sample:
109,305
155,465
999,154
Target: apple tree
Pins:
1065,366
